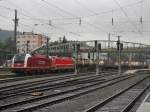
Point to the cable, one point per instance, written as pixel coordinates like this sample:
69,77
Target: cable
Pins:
74,17
64,11
116,9
78,2
41,19
46,7
65,30
10,9
125,13
6,17
60,9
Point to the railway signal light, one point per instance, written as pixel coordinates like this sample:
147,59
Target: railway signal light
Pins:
88,55
95,42
118,45
112,21
78,47
121,46
99,46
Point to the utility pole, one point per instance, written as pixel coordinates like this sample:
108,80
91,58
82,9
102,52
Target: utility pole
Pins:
47,41
15,31
93,54
76,55
77,49
119,55
97,57
27,50
109,48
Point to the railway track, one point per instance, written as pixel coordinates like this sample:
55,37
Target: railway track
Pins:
122,101
36,80
57,97
20,77
83,100
9,92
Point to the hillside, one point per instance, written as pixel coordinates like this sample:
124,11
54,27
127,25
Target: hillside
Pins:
4,34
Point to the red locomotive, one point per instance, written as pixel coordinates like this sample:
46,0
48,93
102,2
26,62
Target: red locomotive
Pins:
26,63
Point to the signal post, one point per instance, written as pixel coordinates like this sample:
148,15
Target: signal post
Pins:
119,49
97,49
77,49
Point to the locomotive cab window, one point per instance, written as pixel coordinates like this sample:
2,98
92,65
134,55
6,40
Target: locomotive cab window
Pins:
19,58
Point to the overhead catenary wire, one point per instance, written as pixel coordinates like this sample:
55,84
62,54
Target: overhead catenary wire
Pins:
81,17
74,17
79,3
6,17
38,19
124,12
114,9
47,8
96,14
60,9
63,18
83,5
66,12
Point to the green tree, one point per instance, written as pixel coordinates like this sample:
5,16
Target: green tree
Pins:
64,40
2,45
8,43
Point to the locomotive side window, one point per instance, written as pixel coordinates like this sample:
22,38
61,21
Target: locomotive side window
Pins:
19,58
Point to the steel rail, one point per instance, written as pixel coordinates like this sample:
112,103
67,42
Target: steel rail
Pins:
101,104
50,86
62,99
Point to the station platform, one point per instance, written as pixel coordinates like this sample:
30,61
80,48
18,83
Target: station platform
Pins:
145,105
135,70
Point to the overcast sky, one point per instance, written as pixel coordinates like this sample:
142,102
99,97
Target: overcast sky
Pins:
80,19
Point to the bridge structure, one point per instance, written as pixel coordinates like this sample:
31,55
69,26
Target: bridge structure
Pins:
132,53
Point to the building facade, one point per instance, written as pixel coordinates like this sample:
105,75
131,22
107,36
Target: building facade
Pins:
29,41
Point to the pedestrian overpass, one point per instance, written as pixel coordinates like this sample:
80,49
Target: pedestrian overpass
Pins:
131,51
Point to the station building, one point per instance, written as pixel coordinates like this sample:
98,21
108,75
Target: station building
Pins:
28,41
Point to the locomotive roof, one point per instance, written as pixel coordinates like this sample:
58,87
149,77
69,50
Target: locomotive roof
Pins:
39,56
